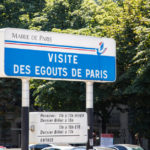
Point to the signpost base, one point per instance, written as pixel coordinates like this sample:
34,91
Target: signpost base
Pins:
25,128
90,128
25,115
89,110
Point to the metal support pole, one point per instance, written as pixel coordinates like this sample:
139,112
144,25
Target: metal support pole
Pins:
25,115
89,110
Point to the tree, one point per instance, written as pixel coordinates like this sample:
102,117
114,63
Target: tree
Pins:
48,93
133,70
60,14
19,13
59,95
127,21
10,94
9,13
10,101
140,85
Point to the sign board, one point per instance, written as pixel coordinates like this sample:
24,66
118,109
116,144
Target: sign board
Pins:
106,140
57,127
48,55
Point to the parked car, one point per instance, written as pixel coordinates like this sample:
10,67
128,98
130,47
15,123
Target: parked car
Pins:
127,147
119,147
102,148
39,146
79,148
58,148
94,148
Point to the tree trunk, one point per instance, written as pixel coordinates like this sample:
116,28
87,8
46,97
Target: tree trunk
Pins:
104,126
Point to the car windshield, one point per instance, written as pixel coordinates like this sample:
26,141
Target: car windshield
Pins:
79,148
38,146
51,149
121,148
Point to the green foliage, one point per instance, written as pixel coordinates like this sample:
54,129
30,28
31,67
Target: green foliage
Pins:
10,95
61,14
59,95
134,69
9,13
19,13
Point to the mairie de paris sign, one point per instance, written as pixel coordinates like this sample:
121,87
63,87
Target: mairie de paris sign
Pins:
55,56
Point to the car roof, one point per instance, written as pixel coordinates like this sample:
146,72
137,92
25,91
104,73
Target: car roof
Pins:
121,147
131,146
102,148
59,147
79,148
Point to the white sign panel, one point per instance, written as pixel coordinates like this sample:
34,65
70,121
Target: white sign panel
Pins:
57,127
37,54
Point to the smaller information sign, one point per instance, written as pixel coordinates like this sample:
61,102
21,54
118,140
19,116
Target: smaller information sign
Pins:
58,127
106,140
